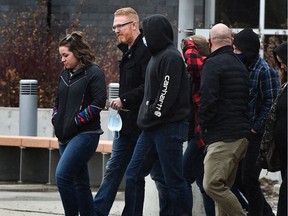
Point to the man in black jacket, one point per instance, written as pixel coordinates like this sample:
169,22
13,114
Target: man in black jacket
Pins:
132,74
224,94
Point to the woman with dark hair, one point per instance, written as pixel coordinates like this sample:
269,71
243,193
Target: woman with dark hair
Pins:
280,131
273,149
81,96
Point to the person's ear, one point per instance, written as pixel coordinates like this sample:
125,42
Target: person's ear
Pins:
209,42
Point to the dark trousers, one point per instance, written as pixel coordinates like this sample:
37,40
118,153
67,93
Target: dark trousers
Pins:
166,144
258,205
282,201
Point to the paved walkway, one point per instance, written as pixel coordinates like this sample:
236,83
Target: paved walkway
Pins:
44,200
39,200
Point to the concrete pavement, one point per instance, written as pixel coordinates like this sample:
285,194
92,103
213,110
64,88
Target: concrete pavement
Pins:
44,199
39,200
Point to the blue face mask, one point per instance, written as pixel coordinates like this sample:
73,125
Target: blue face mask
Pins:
242,57
114,122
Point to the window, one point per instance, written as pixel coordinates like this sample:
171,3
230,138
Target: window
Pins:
199,8
275,14
238,13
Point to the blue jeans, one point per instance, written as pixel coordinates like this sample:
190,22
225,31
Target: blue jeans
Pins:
193,171
164,143
163,193
72,175
122,151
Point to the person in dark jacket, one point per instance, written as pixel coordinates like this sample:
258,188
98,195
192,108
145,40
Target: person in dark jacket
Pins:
264,85
195,49
131,90
224,93
163,119
81,96
280,133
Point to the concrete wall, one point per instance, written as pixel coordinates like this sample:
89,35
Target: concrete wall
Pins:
10,122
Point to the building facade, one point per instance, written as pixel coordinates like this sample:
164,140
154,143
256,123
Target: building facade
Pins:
30,25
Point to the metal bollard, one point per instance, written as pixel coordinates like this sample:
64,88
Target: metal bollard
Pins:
28,107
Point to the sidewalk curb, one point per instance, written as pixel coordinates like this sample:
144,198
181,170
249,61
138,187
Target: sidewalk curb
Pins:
20,187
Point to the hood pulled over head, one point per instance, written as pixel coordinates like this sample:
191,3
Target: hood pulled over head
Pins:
158,32
281,51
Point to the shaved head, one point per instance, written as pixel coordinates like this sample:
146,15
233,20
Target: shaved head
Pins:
220,35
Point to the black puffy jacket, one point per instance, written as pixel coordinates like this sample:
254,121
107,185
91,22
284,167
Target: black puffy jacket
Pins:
224,95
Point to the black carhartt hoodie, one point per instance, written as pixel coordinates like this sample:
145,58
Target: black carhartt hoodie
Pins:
166,94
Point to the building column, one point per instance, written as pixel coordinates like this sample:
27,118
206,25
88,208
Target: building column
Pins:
185,19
